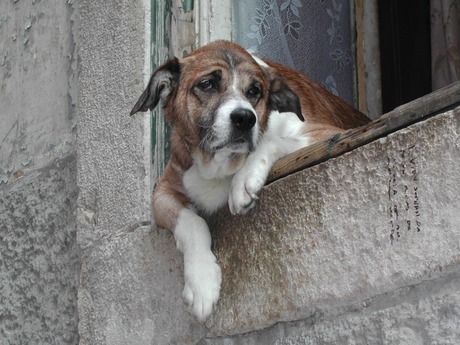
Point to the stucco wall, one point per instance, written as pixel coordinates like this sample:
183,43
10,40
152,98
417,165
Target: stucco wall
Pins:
39,258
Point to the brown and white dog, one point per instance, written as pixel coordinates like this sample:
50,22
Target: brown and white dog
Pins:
232,116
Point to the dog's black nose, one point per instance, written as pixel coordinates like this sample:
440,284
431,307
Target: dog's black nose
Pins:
243,119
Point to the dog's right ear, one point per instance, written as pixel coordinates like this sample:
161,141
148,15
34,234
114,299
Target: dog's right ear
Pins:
160,86
284,99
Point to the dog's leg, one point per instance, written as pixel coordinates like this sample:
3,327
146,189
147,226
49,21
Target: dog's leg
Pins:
202,274
284,135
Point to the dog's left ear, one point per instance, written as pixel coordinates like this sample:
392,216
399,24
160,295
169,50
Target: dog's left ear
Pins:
283,99
160,86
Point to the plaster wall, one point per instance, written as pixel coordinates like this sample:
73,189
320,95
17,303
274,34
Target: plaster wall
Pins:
39,257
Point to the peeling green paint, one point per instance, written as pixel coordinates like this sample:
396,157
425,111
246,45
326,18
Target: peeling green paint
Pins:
187,5
161,20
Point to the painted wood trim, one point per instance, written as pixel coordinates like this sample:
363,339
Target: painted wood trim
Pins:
213,21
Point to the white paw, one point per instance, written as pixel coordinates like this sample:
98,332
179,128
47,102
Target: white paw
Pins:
202,284
245,189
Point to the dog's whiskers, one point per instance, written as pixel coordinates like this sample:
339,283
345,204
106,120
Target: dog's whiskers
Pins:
203,126
205,141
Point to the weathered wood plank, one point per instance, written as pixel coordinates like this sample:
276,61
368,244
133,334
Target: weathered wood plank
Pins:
403,116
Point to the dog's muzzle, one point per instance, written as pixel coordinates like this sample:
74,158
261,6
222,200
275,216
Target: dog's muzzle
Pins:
235,128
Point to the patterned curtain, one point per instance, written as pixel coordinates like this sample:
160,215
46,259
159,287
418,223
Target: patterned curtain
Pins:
445,42
313,36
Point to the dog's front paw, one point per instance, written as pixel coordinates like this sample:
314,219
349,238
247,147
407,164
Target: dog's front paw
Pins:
202,284
245,189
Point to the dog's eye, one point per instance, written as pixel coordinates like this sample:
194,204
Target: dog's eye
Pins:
206,85
254,91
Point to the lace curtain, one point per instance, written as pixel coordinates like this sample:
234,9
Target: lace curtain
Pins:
445,42
312,36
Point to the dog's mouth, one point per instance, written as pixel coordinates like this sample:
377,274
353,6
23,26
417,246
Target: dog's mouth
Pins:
236,145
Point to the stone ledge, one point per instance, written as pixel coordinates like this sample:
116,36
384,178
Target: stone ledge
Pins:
362,224
426,313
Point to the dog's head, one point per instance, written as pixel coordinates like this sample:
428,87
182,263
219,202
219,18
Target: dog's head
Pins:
218,98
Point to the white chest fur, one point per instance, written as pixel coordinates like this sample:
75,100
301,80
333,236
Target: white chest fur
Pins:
208,184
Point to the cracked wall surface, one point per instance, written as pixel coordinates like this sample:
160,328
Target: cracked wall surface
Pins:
39,256
38,86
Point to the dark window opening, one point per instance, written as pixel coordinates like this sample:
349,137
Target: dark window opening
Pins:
405,48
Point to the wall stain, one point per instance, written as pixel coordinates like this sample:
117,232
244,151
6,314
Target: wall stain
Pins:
403,194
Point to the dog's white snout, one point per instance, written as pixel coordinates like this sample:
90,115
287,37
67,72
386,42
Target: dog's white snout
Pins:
235,126
243,119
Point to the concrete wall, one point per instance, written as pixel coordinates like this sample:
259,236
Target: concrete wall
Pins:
39,257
